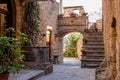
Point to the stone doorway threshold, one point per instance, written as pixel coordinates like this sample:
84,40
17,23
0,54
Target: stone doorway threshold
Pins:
25,74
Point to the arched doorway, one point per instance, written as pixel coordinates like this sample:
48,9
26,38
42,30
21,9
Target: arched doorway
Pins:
72,45
61,43
7,15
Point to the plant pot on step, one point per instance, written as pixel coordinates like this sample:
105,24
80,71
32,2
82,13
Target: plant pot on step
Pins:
11,54
4,76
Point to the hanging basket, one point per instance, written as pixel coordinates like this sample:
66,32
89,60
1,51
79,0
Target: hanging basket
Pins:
4,76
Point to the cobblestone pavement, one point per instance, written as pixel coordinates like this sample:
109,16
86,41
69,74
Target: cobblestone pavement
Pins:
70,70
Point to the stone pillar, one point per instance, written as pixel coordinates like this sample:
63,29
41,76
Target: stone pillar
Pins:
118,63
113,71
61,7
60,47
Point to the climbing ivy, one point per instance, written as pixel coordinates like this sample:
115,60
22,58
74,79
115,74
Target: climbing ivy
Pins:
31,22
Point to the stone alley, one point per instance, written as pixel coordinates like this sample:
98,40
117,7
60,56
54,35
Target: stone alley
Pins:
70,70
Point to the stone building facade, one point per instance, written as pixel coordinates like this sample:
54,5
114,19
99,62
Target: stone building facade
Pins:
111,20
15,10
48,23
15,13
68,24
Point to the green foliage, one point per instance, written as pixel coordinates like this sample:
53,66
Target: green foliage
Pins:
70,44
31,22
10,52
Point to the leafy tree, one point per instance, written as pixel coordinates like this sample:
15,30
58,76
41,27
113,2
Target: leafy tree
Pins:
70,42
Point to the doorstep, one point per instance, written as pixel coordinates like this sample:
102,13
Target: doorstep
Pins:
25,74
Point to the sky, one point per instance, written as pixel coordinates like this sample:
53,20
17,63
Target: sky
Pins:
90,6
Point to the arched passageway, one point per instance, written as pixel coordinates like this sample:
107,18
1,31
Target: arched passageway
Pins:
72,45
60,42
70,22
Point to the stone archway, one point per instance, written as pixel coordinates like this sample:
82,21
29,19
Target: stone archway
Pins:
67,24
60,41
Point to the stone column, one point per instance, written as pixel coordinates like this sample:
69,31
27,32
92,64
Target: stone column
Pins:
61,7
60,44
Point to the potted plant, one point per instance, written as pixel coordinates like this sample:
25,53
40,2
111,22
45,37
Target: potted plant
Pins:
11,54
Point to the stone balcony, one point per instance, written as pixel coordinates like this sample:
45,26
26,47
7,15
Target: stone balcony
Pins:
72,21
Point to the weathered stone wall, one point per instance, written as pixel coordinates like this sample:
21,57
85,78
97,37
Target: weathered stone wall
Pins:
63,30
48,21
79,48
111,20
48,18
70,21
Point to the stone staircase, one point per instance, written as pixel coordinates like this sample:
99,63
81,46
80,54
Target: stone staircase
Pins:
92,50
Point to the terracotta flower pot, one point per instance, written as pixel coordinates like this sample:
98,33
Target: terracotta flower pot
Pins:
4,76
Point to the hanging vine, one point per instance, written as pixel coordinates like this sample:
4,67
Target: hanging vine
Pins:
31,22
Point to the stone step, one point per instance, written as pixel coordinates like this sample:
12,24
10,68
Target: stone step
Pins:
25,74
92,31
94,39
92,60
94,55
93,47
94,43
92,51
99,48
94,36
89,62
90,65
